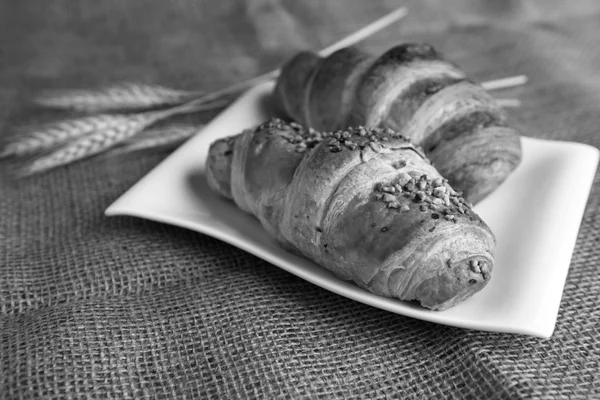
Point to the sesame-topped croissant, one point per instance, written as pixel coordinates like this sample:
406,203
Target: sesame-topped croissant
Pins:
414,91
365,204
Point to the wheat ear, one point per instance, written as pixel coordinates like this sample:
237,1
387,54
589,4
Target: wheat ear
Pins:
121,97
52,135
101,140
88,145
160,138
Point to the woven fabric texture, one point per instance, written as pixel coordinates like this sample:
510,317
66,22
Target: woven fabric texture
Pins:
97,307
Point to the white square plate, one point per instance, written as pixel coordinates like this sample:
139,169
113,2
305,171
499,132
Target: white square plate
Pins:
535,220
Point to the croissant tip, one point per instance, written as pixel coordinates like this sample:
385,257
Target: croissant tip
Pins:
451,287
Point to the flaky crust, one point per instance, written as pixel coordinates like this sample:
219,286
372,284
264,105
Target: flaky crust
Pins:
365,203
412,90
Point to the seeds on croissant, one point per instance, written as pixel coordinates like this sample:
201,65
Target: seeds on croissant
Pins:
403,178
389,197
350,145
376,147
394,204
439,191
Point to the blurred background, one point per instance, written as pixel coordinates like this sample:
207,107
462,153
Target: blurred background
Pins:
201,44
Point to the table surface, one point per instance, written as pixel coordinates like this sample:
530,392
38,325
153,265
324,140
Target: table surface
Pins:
122,307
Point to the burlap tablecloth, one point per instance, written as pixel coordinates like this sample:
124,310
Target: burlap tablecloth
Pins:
97,307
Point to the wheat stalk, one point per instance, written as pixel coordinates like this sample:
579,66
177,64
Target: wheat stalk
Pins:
122,97
51,135
159,138
89,145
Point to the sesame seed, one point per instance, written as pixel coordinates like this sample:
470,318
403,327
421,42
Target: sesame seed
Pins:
446,199
394,204
403,178
376,147
388,197
385,229
423,208
404,207
449,217
350,145
439,191
388,189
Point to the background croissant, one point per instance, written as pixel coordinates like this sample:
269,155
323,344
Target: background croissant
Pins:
363,203
414,91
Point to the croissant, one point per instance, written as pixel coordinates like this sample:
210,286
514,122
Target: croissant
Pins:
364,203
412,90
